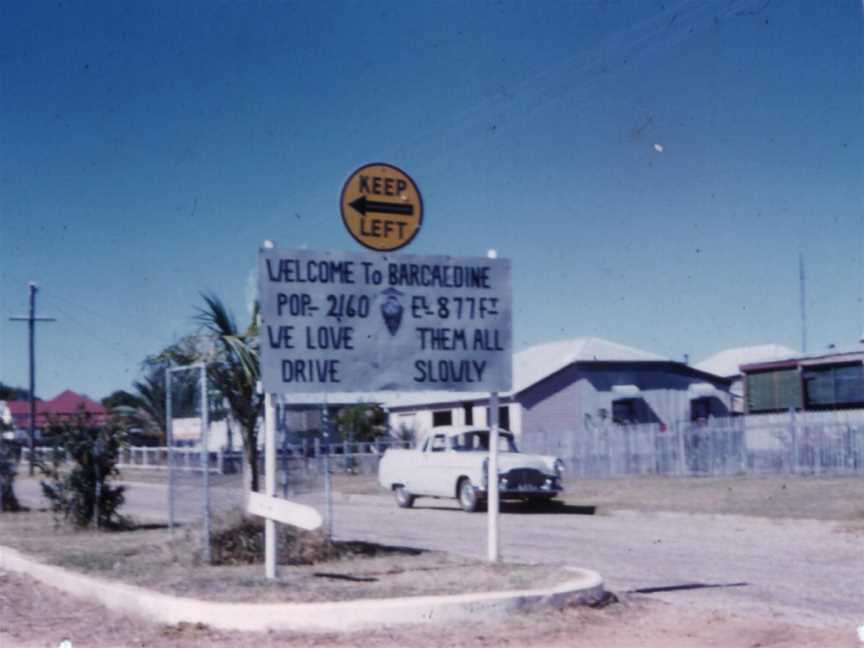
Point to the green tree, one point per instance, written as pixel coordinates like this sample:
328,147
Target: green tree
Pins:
120,398
150,388
362,422
7,392
80,489
234,370
8,456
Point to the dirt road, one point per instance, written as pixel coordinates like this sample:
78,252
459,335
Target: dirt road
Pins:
739,570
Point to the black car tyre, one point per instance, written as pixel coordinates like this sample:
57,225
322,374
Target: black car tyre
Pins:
404,499
468,499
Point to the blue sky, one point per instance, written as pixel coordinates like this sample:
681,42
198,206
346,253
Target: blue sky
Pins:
147,148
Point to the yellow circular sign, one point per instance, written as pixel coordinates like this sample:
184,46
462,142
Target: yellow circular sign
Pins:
381,207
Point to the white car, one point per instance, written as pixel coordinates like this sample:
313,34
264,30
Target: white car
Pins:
453,462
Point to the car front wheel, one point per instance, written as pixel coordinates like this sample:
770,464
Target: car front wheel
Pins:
404,499
468,499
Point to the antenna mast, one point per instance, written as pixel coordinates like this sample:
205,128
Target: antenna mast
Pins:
802,280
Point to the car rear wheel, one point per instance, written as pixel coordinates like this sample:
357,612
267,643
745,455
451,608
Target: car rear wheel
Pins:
404,499
468,499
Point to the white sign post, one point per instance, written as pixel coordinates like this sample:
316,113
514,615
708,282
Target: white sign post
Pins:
337,322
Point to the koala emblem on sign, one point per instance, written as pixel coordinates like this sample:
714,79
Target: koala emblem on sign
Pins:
392,310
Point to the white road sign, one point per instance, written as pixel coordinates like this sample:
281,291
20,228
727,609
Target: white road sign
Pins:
283,511
362,322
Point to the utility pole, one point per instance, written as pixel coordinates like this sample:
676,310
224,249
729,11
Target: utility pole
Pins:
31,321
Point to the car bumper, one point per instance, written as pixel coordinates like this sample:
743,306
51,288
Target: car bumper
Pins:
550,487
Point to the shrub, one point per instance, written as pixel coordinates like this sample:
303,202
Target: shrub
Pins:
83,460
8,454
239,540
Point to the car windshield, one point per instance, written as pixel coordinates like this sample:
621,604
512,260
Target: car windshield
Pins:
478,441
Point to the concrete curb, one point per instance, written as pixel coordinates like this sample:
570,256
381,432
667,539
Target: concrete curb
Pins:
584,587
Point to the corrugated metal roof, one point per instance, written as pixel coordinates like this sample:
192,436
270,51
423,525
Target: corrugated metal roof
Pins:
829,356
727,363
530,366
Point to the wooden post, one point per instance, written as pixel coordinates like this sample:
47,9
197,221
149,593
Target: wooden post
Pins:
269,484
493,548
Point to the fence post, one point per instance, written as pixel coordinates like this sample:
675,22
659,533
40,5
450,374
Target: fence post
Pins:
793,430
680,431
220,458
818,449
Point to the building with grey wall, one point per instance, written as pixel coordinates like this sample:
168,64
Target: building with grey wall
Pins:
561,388
831,380
727,364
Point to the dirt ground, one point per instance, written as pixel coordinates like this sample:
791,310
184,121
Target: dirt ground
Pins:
153,558
33,615
774,496
644,621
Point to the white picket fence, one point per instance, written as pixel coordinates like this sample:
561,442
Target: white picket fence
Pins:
359,457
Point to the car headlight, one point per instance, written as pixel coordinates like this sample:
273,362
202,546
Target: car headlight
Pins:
559,468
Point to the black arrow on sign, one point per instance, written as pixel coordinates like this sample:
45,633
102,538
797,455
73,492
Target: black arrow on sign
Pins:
362,205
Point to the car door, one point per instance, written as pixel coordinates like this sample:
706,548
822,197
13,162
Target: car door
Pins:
432,465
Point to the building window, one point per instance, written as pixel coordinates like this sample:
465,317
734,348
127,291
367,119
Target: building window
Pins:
776,390
442,417
624,411
700,409
503,417
834,386
469,413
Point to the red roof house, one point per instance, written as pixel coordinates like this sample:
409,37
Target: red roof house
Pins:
63,406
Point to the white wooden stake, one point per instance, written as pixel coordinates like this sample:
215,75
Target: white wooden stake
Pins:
494,544
492,482
269,484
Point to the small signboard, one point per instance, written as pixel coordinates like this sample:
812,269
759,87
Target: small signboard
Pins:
186,429
381,207
283,511
364,322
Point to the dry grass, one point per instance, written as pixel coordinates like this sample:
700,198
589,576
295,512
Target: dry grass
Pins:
319,570
239,540
772,496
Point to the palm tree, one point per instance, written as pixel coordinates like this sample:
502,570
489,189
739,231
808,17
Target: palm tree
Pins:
234,370
151,398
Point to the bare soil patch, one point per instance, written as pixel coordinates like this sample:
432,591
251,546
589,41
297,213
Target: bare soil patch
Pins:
311,571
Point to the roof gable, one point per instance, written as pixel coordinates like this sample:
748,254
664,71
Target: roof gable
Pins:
70,402
727,363
535,363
